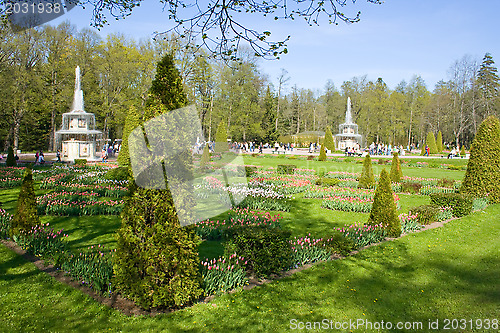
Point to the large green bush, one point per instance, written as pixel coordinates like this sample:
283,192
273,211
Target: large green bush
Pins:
461,204
156,260
205,157
120,173
286,169
426,214
439,142
266,250
431,143
384,208
322,154
396,172
132,120
482,177
367,180
11,159
26,215
221,138
329,142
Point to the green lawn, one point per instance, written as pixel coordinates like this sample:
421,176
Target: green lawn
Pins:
450,272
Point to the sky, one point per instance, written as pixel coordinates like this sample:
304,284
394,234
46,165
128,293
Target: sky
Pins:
394,40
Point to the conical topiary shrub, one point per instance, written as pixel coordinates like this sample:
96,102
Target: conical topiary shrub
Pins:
26,215
329,142
322,154
431,142
384,208
156,260
482,177
396,172
11,159
132,120
439,142
205,157
221,138
367,180
462,151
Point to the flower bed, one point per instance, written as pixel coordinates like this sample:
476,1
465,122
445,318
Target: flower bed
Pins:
223,274
363,235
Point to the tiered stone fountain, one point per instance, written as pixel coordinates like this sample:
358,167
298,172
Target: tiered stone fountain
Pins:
77,139
348,136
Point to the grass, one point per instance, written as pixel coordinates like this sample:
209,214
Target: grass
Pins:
450,272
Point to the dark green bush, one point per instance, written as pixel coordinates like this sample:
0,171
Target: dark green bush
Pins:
266,250
482,177
120,173
327,181
80,161
426,214
26,215
367,180
286,169
383,210
322,154
247,170
460,203
396,172
11,159
411,187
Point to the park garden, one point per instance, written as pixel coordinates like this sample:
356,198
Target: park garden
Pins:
309,239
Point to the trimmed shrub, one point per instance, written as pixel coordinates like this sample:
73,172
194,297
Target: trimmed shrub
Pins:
132,120
384,208
322,154
156,261
439,142
286,169
221,138
26,215
462,151
329,142
482,177
327,181
426,214
431,142
396,172
11,159
266,250
367,180
205,157
460,203
80,161
120,173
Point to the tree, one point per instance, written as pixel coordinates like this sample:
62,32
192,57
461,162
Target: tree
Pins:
489,83
26,215
384,208
322,154
156,258
132,121
216,25
439,142
329,143
221,138
11,159
482,177
367,180
396,172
